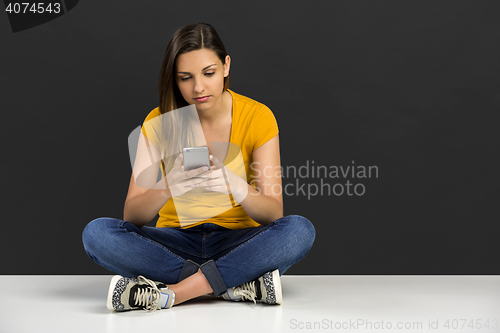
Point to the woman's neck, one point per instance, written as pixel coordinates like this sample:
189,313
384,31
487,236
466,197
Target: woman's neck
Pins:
218,113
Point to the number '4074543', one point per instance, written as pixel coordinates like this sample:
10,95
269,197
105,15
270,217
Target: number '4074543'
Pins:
35,8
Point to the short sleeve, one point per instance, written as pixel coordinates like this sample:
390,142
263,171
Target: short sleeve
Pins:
151,125
265,126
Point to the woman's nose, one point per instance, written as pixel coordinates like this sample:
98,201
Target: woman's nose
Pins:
198,86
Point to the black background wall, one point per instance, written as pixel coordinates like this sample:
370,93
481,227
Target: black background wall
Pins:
411,87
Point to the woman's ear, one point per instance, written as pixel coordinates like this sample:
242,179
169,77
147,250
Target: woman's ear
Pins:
227,64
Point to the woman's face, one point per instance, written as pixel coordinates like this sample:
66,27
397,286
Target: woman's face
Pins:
200,78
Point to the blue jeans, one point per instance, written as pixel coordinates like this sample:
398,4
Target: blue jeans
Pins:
226,257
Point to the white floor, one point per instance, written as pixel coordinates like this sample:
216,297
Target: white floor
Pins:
310,303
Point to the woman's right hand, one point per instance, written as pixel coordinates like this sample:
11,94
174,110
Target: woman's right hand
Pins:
180,181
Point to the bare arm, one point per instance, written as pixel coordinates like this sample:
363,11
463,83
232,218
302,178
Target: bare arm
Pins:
265,204
142,205
145,201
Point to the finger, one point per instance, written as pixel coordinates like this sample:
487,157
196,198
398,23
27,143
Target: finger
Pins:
193,182
195,172
206,182
190,182
219,181
217,163
211,174
217,188
178,161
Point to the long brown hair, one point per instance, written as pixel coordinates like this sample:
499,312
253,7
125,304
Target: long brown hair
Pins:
177,133
188,38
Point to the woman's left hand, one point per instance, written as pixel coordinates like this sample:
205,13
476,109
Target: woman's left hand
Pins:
221,179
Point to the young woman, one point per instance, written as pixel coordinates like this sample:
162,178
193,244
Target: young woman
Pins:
237,252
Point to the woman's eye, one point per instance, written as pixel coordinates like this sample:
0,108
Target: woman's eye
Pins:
184,78
210,74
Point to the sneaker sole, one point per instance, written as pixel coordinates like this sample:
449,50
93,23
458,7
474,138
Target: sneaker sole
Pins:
112,285
277,287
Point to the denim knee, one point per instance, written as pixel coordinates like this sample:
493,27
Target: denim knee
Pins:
93,232
305,231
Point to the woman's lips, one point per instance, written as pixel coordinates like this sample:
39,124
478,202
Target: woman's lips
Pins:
202,99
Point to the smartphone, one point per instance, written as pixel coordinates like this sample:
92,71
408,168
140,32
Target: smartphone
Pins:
195,157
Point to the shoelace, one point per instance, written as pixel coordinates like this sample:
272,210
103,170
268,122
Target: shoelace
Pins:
246,291
148,297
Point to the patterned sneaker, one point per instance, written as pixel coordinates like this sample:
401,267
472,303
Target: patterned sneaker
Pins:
138,293
265,289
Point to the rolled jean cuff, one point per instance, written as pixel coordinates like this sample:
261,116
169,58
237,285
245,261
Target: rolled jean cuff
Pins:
189,268
214,278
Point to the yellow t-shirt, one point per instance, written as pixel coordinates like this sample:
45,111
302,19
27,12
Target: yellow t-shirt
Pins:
253,124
